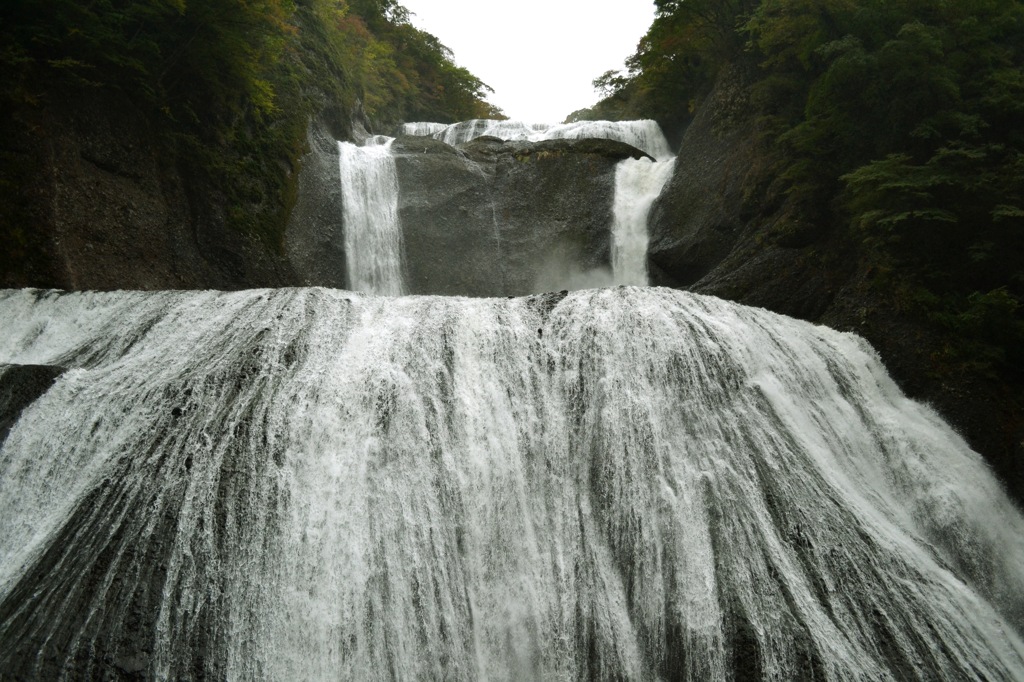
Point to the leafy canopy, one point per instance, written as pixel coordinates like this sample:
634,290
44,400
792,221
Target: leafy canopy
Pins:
896,122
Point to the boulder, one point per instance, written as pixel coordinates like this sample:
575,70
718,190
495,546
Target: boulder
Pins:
494,218
20,386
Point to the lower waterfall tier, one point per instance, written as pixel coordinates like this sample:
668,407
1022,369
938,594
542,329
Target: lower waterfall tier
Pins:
612,484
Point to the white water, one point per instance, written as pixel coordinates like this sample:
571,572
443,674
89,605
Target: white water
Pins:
638,182
422,129
627,483
644,135
373,232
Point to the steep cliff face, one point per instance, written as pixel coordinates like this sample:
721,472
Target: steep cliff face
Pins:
158,146
107,207
719,229
493,218
314,239
701,214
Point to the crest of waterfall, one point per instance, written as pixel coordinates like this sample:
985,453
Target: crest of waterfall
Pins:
638,182
627,483
645,135
421,129
373,232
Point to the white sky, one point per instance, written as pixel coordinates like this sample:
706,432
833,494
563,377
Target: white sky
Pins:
540,56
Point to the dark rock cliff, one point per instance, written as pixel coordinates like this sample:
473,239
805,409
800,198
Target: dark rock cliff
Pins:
718,229
700,214
105,206
314,239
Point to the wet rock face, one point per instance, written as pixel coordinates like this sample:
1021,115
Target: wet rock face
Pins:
20,386
447,214
493,218
314,241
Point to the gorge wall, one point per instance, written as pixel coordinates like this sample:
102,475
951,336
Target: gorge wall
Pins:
158,145
102,205
721,228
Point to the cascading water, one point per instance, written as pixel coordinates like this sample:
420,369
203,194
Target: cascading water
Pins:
422,129
638,182
644,135
618,484
373,233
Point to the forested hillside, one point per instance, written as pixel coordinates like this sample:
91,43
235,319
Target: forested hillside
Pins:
226,87
886,140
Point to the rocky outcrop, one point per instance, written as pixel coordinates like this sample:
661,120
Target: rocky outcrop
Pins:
493,218
452,244
20,386
314,239
700,215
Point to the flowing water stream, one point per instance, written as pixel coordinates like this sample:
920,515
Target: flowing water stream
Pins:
373,232
626,483
638,182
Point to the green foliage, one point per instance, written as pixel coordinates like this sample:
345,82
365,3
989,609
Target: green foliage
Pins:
675,63
988,329
398,71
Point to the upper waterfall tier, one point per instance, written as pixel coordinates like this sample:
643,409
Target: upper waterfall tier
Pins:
373,232
624,483
638,183
645,135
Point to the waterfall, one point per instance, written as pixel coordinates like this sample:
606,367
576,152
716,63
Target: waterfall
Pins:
421,129
638,182
373,233
627,483
645,135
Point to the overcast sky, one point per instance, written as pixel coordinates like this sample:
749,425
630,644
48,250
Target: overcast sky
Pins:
540,56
